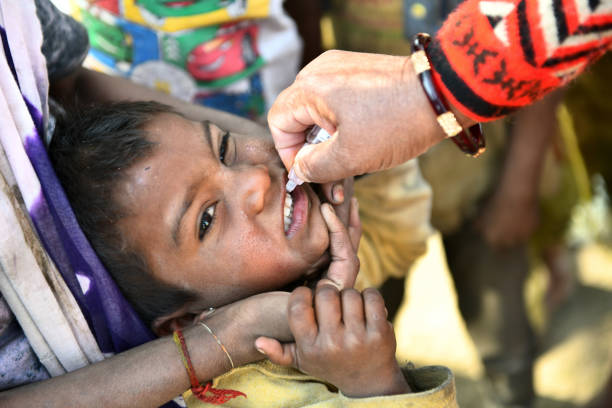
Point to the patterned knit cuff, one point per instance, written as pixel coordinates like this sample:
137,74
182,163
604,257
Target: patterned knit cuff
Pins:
493,57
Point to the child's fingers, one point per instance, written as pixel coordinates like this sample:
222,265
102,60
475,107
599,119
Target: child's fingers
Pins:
301,315
278,353
344,266
334,191
352,311
375,311
328,308
354,226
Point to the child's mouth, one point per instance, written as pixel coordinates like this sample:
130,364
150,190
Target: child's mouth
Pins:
295,211
288,212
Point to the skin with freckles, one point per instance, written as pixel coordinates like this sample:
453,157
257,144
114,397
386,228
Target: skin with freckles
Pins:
207,201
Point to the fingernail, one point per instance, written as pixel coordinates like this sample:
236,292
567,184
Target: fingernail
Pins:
338,193
301,154
261,351
330,282
296,170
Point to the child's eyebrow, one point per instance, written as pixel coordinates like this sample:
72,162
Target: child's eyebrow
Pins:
191,191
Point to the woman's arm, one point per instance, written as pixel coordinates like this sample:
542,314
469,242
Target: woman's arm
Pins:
152,374
85,86
516,196
489,59
492,58
146,376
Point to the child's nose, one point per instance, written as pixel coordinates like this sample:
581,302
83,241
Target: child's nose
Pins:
253,183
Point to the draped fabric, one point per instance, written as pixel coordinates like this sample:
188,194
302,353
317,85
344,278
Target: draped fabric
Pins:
29,176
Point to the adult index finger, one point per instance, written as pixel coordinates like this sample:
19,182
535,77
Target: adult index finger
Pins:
287,144
292,114
288,121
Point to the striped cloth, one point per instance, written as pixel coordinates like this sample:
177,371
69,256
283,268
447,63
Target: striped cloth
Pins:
493,56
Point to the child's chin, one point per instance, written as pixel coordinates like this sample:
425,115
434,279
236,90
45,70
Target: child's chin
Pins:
312,275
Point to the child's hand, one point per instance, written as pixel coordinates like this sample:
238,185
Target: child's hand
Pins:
343,246
338,194
344,235
343,338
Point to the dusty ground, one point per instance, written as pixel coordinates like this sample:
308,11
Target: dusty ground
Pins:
575,342
576,355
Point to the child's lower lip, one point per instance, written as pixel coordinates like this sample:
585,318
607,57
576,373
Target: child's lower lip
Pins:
300,211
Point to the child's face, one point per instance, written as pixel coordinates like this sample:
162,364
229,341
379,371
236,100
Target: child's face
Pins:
206,209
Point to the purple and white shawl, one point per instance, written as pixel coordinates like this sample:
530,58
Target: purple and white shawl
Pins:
23,122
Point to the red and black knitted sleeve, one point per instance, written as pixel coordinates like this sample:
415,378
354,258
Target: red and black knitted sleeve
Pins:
492,57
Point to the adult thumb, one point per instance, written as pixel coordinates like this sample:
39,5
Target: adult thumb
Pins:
319,163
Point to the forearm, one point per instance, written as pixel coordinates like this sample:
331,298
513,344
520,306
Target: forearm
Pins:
533,130
488,70
86,86
146,376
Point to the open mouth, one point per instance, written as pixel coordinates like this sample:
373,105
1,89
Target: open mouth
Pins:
288,212
295,211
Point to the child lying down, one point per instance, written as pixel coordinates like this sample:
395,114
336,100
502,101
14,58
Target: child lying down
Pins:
195,225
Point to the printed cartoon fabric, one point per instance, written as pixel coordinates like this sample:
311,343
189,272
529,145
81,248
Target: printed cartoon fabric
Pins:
494,56
233,55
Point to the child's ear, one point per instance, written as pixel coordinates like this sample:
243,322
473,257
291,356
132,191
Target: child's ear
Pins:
165,325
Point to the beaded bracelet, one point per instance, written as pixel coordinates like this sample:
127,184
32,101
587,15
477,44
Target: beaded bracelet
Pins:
470,141
205,393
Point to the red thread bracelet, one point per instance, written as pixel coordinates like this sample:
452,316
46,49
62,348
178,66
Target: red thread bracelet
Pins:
217,396
470,141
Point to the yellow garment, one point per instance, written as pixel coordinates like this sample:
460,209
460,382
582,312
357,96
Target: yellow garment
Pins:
271,386
395,207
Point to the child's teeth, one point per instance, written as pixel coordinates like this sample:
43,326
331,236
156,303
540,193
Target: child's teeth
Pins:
288,211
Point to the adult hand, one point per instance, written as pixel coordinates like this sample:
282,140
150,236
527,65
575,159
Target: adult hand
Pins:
373,105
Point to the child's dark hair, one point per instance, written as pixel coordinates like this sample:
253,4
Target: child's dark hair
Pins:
90,150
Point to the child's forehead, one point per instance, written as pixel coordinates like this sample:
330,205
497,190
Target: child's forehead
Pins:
165,121
169,129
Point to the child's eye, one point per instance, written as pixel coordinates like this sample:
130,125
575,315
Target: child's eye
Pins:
223,147
206,221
